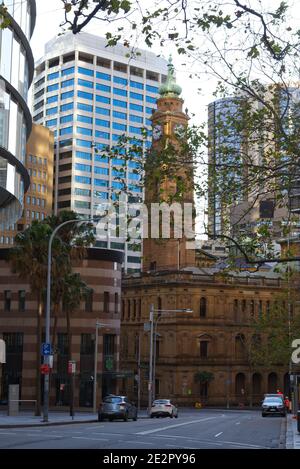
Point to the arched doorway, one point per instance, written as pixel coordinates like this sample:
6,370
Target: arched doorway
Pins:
256,388
272,382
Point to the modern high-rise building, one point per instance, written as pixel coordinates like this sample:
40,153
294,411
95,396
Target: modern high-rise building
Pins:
16,74
90,95
224,148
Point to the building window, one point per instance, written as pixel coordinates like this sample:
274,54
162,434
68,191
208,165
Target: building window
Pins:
7,300
87,344
106,302
116,303
252,308
89,301
128,309
203,349
202,307
22,300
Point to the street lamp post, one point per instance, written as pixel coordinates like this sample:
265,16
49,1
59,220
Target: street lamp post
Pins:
48,306
160,312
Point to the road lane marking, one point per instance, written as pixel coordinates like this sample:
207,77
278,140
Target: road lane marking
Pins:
7,433
86,438
218,434
147,432
238,423
139,442
244,444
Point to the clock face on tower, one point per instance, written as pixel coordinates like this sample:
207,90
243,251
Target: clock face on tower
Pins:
179,130
157,132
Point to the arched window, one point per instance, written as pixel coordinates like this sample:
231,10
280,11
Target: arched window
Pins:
128,309
202,307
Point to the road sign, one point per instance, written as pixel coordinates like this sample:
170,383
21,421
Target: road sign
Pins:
46,349
45,369
71,367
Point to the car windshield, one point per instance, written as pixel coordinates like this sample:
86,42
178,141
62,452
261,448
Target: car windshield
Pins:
275,400
162,401
112,400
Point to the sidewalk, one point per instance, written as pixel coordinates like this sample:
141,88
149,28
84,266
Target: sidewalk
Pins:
27,419
292,435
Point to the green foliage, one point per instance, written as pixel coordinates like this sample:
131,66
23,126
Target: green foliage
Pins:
203,377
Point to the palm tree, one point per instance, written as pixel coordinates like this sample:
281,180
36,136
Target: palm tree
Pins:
204,378
29,260
74,290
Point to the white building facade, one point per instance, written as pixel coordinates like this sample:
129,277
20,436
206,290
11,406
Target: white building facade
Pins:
90,95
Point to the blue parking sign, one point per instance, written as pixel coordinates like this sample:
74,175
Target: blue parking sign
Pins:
46,349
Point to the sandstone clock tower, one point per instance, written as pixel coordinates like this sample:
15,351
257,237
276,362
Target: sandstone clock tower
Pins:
169,181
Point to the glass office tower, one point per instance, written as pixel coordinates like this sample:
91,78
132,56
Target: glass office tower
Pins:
90,95
16,74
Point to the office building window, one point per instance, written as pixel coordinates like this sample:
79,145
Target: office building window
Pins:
53,87
120,80
66,130
85,107
81,204
67,71
83,143
84,95
118,126
102,123
103,111
83,167
120,92
138,96
51,110
101,182
152,89
82,192
136,84
149,110
51,122
120,115
86,83
134,118
7,300
119,103
100,134
136,107
103,76
101,87
67,83
135,130
67,94
102,99
106,302
85,119
84,131
86,71
83,155
83,180
149,99
65,119
52,99
99,170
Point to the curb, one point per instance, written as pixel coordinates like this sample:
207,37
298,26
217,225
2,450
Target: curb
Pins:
289,433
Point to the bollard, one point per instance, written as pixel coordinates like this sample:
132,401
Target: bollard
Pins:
298,421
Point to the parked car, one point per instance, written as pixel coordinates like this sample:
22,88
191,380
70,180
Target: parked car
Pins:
117,407
163,408
280,396
273,405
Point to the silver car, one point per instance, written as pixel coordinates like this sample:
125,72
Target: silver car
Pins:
273,405
117,407
163,408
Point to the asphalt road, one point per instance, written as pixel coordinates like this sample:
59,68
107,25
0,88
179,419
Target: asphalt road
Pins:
193,429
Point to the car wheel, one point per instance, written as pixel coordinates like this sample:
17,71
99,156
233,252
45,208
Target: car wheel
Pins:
151,416
125,418
176,416
263,415
171,415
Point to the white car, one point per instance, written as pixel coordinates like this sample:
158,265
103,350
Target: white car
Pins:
163,408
